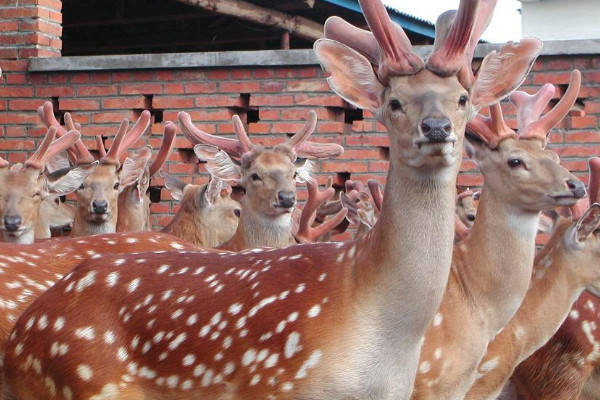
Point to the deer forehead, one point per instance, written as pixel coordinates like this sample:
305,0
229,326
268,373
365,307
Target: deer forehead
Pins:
425,86
21,183
271,162
106,173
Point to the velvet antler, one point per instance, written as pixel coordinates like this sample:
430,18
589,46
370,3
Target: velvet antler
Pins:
492,130
50,147
530,107
165,148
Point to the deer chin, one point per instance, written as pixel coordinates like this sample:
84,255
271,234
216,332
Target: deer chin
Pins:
16,233
93,217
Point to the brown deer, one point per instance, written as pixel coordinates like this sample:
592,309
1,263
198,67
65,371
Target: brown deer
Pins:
269,177
26,187
312,321
566,266
133,202
207,216
491,267
96,210
466,207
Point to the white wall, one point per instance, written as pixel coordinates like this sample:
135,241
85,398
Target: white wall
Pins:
561,19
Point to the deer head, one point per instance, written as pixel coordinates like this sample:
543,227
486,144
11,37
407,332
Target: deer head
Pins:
97,197
207,216
424,104
466,207
25,187
135,175
537,181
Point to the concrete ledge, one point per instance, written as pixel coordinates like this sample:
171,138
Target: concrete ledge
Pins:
262,58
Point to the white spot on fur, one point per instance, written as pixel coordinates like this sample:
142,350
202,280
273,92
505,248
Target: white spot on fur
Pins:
292,345
85,372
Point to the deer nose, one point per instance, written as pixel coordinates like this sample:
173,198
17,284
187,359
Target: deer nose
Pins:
12,222
436,129
286,199
100,206
576,187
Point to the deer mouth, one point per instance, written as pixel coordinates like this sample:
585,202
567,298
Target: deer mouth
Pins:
436,148
284,209
96,217
14,233
564,199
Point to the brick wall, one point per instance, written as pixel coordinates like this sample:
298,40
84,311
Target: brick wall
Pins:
273,100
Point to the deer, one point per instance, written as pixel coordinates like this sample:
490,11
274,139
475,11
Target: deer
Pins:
133,202
319,320
26,188
466,207
96,210
565,267
207,216
269,177
486,287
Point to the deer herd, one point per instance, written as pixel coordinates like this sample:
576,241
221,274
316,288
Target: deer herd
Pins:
437,296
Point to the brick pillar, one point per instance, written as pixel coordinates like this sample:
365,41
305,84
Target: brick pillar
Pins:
30,28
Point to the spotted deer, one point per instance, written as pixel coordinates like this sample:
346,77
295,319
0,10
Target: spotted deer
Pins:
566,366
566,266
321,320
491,267
269,177
207,216
133,202
96,210
25,187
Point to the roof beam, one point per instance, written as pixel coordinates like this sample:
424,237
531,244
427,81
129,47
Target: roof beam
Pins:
299,26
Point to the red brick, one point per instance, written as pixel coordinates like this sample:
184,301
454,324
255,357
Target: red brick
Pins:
15,79
78,104
110,117
584,136
165,75
553,77
470,180
17,144
286,72
352,167
8,53
271,100
19,91
9,26
308,86
217,74
378,166
262,73
172,102
239,87
173,88
15,65
21,105
131,102
101,77
271,87
559,64
309,72
362,154
241,73
583,122
367,140
143,88
319,100
200,87
91,91
575,165
216,115
576,151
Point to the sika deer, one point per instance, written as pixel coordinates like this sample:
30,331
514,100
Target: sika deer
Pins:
133,202
25,187
96,210
491,267
466,207
207,217
566,266
268,175
313,321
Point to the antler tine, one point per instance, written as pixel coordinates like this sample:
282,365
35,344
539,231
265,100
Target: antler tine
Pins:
136,131
450,57
241,134
165,148
306,232
530,107
375,193
303,134
112,157
49,148
396,57
303,148
359,39
543,126
231,146
79,153
594,185
491,130
100,146
466,193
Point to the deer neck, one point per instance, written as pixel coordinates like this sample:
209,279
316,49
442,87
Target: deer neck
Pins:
190,226
261,231
83,227
408,252
498,259
41,229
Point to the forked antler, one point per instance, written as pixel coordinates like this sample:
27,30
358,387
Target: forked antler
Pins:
530,107
492,130
298,143
50,147
126,138
306,232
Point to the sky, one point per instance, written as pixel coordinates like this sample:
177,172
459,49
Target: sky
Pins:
505,25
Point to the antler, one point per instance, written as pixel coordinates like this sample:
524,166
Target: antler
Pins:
301,147
79,154
491,130
375,193
359,39
125,139
529,109
49,148
165,148
594,185
306,232
233,147
100,146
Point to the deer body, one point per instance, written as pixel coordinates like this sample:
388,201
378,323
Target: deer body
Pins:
134,211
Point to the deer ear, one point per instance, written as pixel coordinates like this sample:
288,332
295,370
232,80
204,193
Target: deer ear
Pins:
474,147
68,182
501,73
352,76
212,192
174,184
587,224
218,163
134,167
304,170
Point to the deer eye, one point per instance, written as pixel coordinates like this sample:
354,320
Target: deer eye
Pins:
515,163
395,105
255,177
464,99
237,212
36,194
81,187
295,175
116,186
